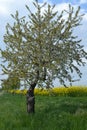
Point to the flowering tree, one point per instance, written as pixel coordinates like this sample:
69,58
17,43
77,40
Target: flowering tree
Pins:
12,82
43,48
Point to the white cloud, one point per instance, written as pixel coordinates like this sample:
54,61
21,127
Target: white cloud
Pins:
3,1
62,6
83,1
4,10
85,17
5,6
10,6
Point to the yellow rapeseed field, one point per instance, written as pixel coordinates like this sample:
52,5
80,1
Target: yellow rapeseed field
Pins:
56,91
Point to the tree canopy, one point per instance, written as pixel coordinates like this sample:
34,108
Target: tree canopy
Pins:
12,82
42,47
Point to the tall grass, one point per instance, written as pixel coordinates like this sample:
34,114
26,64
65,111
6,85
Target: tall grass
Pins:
52,113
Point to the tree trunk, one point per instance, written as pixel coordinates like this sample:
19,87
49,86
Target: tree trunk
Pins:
30,95
31,99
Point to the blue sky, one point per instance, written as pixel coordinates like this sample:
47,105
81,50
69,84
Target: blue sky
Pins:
8,7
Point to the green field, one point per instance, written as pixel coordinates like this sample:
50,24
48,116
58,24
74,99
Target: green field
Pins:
52,113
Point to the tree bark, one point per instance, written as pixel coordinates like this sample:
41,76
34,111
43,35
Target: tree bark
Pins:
31,99
30,95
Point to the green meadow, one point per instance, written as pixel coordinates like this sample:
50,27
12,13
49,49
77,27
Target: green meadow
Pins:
52,113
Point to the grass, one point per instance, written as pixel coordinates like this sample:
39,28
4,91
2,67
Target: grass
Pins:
52,113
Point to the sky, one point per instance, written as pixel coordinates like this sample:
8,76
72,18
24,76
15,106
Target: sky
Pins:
8,7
